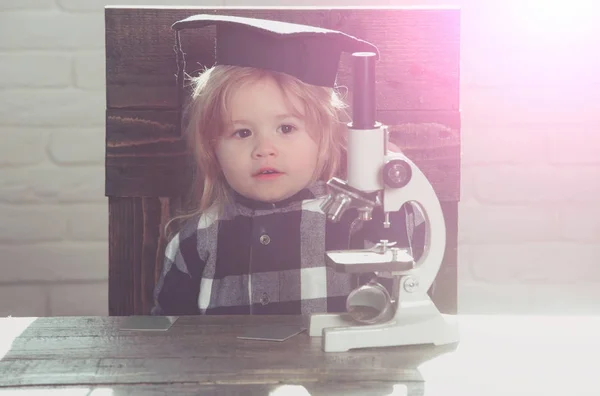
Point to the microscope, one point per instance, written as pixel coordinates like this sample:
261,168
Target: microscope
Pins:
377,177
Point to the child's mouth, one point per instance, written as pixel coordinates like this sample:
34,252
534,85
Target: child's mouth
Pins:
266,176
267,173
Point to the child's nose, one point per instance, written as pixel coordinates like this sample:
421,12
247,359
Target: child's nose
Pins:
264,148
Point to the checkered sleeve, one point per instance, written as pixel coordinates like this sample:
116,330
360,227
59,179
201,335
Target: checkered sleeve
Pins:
177,289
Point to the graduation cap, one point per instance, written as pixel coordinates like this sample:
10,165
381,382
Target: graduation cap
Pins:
308,53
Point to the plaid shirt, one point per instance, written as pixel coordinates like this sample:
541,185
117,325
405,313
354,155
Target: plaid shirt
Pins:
264,258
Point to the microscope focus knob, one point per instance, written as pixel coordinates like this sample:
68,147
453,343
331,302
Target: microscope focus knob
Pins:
396,173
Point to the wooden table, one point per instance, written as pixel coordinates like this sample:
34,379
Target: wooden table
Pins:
497,355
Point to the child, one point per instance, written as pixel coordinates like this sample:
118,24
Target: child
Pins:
265,127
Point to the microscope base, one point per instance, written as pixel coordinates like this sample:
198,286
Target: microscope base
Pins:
414,323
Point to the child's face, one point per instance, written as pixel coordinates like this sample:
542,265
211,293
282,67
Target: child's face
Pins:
264,135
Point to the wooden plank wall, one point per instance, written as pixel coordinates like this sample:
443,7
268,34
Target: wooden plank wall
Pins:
147,167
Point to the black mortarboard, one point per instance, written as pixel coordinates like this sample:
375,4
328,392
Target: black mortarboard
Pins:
308,53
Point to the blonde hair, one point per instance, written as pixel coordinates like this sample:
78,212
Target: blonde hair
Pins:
207,114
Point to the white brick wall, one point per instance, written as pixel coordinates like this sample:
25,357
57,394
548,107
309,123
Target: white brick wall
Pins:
529,236
529,222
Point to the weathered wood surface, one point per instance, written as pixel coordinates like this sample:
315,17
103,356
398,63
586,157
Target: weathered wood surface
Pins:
147,163
136,251
497,355
145,154
202,350
226,389
419,48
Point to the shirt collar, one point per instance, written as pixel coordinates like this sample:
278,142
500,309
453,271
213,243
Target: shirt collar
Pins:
316,189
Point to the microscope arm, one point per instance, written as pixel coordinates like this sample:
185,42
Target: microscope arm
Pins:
421,193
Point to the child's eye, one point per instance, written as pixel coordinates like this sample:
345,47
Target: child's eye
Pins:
243,133
287,128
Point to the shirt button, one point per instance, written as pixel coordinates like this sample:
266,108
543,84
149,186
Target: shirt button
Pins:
265,239
264,299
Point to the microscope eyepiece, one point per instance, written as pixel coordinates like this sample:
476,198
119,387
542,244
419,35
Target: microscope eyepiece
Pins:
363,102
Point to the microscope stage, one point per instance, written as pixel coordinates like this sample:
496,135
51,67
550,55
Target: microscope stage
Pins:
361,261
